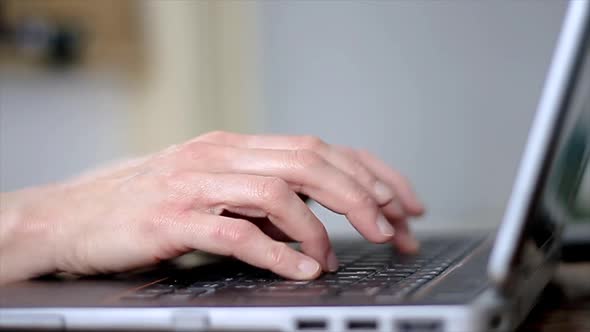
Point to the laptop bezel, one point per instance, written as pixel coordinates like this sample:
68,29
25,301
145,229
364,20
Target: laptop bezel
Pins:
542,137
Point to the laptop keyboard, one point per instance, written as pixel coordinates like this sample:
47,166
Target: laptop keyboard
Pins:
365,270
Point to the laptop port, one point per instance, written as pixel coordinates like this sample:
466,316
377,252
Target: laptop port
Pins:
420,326
362,325
311,325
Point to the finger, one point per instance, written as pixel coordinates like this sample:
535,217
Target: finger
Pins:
276,233
264,224
341,158
306,172
393,210
403,240
263,197
349,164
244,241
407,196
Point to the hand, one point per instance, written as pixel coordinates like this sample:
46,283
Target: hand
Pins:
222,193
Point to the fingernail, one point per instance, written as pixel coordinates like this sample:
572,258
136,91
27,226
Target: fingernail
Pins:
308,267
383,193
384,227
332,261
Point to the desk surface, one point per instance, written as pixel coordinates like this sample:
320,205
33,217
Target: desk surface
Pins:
565,305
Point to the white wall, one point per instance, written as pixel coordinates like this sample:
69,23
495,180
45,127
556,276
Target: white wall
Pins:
54,124
197,72
443,90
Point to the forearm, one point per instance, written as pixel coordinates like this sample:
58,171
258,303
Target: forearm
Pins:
25,247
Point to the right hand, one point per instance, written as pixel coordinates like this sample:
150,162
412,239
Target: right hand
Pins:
178,200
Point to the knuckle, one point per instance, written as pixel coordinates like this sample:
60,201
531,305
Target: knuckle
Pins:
166,152
201,152
272,189
360,171
182,187
348,151
312,143
277,254
164,181
154,225
235,233
165,218
173,182
189,151
361,198
362,152
306,159
216,135
195,146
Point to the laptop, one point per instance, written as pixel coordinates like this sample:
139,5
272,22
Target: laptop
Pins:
458,282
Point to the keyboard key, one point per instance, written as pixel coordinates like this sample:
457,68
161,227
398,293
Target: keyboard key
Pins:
361,268
369,271
193,291
350,277
155,290
207,285
327,286
346,272
292,282
281,287
252,286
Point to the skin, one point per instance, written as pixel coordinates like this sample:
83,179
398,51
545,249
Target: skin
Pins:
223,193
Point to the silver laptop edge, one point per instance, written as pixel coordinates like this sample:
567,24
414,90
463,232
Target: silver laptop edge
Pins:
554,91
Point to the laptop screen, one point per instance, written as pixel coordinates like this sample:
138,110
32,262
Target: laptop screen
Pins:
551,185
560,195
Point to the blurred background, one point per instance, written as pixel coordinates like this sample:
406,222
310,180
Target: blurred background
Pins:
443,90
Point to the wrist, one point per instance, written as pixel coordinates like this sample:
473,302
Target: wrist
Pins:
26,248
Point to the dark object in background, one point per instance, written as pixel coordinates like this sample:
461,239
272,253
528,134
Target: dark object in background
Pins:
4,32
55,43
65,46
